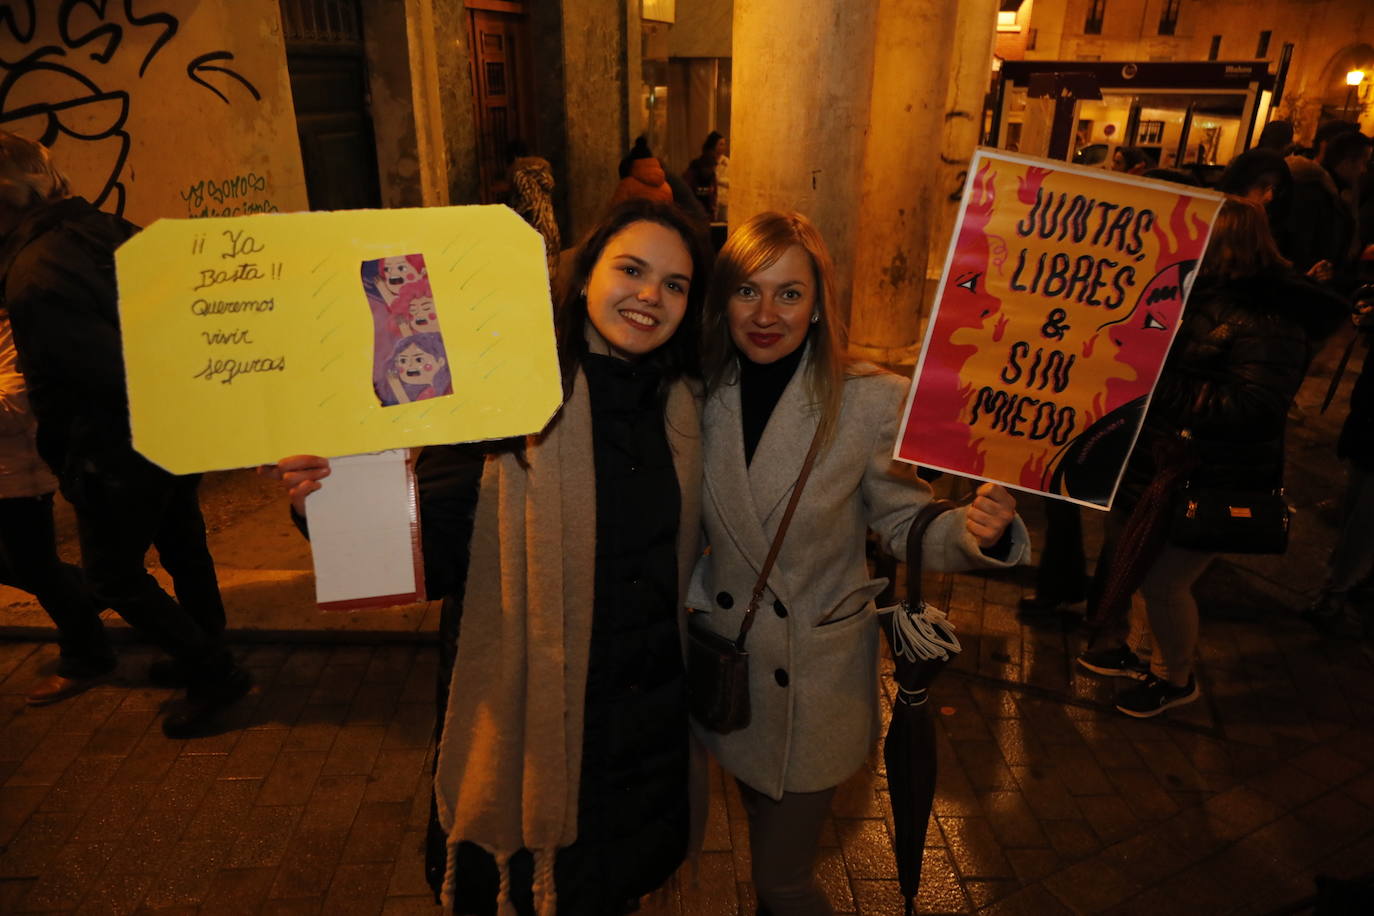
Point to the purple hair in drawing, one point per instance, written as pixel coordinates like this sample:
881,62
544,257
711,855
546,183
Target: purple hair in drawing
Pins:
417,370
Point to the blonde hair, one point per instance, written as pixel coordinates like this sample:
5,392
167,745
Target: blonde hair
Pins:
756,246
27,173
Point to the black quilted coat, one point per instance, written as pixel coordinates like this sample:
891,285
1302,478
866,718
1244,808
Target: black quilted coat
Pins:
1231,375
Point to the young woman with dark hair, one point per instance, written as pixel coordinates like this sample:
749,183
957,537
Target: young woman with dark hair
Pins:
562,774
1216,419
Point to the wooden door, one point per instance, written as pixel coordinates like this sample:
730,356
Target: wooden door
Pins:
338,151
325,61
500,85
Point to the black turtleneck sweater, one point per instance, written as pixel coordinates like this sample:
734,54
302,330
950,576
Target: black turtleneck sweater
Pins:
760,386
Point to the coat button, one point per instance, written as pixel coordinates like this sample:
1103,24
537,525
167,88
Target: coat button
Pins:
779,608
725,600
781,677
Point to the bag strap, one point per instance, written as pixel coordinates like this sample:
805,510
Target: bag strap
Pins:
915,536
762,583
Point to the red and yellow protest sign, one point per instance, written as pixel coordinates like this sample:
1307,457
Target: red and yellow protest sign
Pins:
1061,294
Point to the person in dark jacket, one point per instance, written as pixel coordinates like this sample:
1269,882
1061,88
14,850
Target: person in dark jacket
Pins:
701,172
576,800
1323,224
57,280
1216,419
1345,605
28,544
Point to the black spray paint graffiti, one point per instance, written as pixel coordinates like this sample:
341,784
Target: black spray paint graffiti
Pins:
74,104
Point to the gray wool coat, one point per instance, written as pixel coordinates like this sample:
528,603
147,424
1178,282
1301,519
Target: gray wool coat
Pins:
813,674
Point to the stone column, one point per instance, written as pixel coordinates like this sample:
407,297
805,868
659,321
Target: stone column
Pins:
803,75
970,71
441,87
392,105
594,76
901,166
841,114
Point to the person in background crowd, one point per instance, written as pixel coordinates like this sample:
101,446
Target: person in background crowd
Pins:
531,195
1258,175
777,376
701,172
1130,160
1216,419
1327,132
641,176
57,280
564,756
723,184
1277,136
28,545
1323,221
1345,605
1261,175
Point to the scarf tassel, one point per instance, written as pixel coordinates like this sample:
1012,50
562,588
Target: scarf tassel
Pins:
503,905
545,893
450,875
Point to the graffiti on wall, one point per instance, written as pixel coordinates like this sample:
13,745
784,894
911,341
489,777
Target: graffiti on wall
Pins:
234,195
78,89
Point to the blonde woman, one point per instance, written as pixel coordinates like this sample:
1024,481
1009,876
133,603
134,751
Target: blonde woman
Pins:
776,372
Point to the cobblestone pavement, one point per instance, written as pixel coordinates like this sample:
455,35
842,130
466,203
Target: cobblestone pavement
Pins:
1048,800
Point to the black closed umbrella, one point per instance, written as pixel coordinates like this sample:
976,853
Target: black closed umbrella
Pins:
922,643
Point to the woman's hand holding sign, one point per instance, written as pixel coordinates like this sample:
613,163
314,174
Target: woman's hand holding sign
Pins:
300,474
990,513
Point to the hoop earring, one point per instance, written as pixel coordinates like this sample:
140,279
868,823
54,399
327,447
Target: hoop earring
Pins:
815,317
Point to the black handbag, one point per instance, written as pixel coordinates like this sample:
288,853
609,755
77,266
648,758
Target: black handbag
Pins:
1221,520
717,666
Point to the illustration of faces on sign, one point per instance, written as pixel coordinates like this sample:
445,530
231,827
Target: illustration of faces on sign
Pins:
408,358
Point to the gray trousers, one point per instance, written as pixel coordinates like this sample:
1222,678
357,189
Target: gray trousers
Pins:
1169,609
784,838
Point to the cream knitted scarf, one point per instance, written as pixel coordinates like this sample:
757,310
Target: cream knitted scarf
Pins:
511,753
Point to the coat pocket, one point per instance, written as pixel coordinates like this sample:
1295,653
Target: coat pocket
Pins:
851,609
835,721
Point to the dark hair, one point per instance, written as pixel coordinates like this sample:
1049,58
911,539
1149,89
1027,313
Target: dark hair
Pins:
1132,156
1250,168
1177,176
1241,244
516,149
680,355
711,140
640,150
1333,129
1344,146
1277,136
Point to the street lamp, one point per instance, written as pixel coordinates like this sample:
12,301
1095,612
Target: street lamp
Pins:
1352,79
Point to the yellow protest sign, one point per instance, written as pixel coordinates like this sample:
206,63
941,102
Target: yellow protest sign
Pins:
250,338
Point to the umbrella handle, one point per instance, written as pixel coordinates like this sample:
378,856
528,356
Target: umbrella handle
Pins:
914,547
